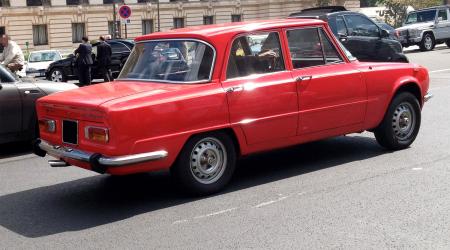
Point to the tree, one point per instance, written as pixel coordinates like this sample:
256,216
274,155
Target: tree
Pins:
369,3
397,9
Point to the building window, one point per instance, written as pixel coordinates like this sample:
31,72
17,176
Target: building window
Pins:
208,20
147,26
236,18
112,1
178,22
147,1
111,28
4,3
38,2
78,31
40,34
77,2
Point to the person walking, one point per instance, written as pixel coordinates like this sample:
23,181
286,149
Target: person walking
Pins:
12,56
84,62
104,53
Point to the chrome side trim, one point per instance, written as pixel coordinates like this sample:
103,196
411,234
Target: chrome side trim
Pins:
66,152
427,97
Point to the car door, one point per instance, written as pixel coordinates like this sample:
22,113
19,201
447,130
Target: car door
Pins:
363,39
331,92
119,54
442,30
261,94
10,105
29,93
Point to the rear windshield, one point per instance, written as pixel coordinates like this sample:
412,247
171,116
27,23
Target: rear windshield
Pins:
421,17
172,61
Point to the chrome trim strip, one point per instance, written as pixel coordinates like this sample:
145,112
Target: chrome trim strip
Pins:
66,152
427,97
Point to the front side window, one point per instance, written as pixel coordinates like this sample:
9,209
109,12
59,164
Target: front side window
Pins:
442,15
331,54
361,26
179,61
255,54
421,17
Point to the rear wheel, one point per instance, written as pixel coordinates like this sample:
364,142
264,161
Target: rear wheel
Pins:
401,123
206,163
427,42
57,75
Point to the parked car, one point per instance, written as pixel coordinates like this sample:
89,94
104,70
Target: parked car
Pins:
66,69
359,34
18,121
38,62
194,100
426,28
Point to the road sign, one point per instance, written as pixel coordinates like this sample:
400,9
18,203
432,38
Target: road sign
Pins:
125,11
125,21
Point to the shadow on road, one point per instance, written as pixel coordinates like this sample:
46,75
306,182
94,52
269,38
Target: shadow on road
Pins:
14,149
99,200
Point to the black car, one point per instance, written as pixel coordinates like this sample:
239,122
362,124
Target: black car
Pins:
65,69
358,33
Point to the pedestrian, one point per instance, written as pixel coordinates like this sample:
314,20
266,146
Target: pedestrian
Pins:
104,53
12,56
84,61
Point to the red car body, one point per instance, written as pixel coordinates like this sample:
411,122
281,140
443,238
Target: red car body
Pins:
258,112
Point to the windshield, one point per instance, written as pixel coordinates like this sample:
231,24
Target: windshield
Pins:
47,56
179,61
421,17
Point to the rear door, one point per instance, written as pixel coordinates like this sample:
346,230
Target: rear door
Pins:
331,92
442,30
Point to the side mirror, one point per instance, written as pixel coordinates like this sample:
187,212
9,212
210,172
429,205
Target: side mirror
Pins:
384,33
342,37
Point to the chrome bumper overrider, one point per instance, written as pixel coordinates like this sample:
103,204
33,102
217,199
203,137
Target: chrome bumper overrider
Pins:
66,152
427,97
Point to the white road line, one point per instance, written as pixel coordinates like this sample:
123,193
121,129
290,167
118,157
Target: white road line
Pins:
215,213
440,70
179,222
417,169
270,202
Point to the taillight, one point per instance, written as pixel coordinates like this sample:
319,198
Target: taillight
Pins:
47,125
96,134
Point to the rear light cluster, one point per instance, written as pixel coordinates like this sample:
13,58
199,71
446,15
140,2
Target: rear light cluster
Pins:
96,134
47,125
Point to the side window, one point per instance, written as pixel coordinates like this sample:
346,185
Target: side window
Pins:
305,48
255,54
118,48
341,27
442,15
361,26
331,54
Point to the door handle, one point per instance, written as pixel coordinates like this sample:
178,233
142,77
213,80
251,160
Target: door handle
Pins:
28,92
303,78
235,89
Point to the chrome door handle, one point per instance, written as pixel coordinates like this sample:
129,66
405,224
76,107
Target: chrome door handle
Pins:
27,92
303,78
235,89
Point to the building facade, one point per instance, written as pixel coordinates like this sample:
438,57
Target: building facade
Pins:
60,24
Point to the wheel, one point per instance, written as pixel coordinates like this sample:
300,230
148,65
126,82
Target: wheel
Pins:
205,164
401,123
447,43
427,42
57,75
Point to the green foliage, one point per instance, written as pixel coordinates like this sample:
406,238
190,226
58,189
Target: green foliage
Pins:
397,8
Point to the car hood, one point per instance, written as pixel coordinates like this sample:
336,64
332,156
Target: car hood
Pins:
416,26
51,87
38,65
98,94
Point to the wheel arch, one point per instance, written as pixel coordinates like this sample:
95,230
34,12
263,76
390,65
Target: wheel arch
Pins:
409,86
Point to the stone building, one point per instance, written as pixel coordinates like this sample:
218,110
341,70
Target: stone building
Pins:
60,24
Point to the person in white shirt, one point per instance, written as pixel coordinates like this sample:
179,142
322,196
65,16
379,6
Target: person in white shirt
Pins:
12,56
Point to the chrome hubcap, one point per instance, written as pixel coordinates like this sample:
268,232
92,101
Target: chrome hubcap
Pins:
208,160
403,121
56,76
428,42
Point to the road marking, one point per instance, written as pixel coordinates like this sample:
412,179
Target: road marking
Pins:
179,222
417,169
216,213
270,202
439,70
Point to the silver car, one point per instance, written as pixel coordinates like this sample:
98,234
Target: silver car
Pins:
426,28
17,105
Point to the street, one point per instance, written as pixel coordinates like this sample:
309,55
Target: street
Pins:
345,192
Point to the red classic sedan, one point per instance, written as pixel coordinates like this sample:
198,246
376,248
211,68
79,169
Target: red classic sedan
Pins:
194,100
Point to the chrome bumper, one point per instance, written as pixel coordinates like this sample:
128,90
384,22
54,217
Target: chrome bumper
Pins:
62,152
427,97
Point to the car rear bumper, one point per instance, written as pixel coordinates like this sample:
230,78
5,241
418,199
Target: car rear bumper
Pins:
98,162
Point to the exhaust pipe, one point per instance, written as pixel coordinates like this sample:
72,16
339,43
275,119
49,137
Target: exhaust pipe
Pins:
58,163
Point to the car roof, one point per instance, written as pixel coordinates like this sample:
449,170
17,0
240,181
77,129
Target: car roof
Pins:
209,32
433,8
43,51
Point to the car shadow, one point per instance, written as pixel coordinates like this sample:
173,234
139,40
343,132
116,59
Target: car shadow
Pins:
103,199
14,149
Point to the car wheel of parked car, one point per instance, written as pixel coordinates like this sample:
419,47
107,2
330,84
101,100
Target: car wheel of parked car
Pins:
57,75
427,42
401,123
206,163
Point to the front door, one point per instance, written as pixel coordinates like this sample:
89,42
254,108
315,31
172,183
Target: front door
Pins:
363,38
331,92
262,96
10,108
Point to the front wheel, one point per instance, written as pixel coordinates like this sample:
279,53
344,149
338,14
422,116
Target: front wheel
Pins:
427,42
57,75
205,164
401,123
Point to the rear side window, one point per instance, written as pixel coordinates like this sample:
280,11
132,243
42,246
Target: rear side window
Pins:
361,26
255,54
119,48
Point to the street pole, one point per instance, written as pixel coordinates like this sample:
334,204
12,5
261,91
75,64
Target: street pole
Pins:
114,21
159,20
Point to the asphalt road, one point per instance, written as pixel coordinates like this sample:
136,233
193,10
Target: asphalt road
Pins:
345,192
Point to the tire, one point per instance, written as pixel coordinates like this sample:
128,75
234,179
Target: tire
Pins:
427,43
447,43
205,164
57,75
401,123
